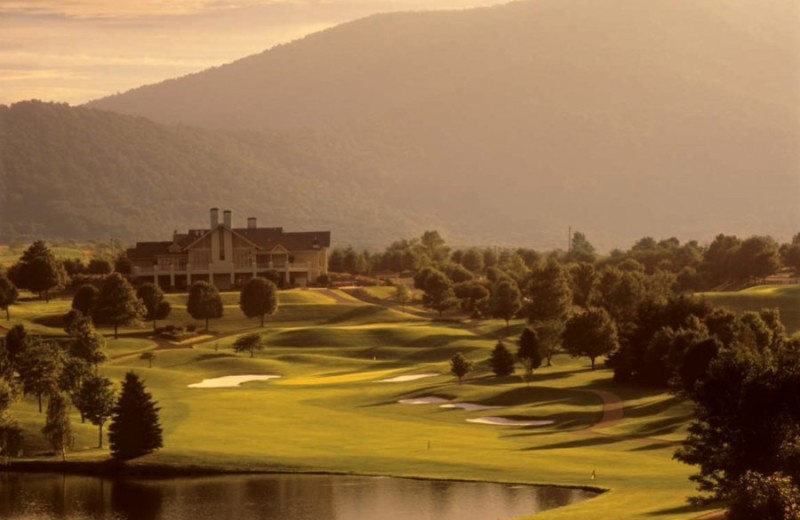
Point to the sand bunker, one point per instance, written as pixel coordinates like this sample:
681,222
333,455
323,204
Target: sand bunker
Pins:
470,407
410,377
423,400
505,421
230,381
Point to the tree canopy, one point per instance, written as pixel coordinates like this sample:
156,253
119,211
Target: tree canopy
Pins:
204,302
155,306
258,298
117,303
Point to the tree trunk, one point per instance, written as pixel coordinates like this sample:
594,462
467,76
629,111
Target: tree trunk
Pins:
100,437
262,320
206,324
115,330
592,358
8,317
40,402
154,325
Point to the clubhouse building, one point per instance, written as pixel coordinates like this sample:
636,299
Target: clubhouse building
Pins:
227,257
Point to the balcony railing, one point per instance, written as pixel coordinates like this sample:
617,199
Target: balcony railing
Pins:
240,268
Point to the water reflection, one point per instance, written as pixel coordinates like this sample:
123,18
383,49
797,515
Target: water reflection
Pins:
284,497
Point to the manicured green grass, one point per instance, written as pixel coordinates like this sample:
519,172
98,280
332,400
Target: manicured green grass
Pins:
786,298
328,412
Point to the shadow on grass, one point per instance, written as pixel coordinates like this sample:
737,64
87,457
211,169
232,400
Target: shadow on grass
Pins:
585,442
685,509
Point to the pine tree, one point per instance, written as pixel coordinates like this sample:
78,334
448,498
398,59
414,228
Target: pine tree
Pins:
134,429
501,361
460,366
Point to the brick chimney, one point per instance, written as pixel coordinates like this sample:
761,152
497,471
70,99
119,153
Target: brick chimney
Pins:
226,218
214,217
251,222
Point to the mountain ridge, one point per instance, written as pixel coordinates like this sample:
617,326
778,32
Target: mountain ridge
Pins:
507,124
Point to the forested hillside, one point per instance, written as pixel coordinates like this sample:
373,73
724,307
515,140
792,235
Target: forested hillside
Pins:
496,126
512,122
89,174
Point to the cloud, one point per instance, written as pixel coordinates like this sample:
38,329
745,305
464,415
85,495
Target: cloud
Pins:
82,49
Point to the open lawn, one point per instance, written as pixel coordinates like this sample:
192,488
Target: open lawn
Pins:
786,298
328,413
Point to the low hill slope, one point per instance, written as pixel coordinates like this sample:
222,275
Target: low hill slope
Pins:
88,174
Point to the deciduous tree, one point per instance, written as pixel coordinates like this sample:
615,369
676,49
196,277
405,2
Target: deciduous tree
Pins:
38,270
96,397
529,352
57,428
248,343
258,298
85,299
506,300
591,334
117,303
155,306
204,302
8,294
438,291
550,294
40,369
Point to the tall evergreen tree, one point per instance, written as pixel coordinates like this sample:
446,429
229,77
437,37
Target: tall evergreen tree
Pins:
258,298
460,366
204,302
134,428
117,303
501,360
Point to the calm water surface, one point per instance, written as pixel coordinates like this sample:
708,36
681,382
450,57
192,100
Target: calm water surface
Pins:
286,497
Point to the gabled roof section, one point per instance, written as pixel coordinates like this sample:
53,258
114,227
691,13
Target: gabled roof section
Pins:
269,238
148,250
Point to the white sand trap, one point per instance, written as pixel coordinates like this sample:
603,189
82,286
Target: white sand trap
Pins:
470,407
505,421
230,381
410,377
423,400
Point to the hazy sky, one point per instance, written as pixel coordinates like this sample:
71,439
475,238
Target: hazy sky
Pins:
78,50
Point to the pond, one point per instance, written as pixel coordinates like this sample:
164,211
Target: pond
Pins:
46,496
